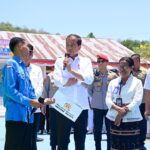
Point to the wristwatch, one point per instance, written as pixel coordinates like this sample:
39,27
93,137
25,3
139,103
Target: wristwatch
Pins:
41,100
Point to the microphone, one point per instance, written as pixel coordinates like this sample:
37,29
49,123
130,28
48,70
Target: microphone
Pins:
66,56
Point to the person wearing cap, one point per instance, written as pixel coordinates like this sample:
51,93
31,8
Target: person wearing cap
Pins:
140,73
97,91
18,98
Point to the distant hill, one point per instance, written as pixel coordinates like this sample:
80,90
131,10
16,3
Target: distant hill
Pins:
9,27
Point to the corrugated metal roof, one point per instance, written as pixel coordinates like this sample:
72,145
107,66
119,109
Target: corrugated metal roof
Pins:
50,47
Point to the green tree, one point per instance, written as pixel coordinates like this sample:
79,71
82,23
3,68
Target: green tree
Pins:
140,47
90,35
131,43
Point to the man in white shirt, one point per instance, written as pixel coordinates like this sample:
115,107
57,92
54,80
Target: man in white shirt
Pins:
71,74
140,73
36,77
147,93
147,100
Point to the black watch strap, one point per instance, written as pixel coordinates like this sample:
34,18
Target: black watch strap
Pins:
41,100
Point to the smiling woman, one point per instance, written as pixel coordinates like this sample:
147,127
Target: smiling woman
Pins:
123,98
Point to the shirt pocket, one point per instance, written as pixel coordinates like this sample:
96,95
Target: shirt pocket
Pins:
21,81
21,76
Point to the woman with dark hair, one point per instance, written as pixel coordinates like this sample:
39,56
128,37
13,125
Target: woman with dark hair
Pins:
123,98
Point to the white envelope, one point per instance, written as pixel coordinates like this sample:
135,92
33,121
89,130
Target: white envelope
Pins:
66,107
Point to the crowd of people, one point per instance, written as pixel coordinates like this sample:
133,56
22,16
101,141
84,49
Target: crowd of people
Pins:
119,99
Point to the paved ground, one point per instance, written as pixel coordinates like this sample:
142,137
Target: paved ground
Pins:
89,145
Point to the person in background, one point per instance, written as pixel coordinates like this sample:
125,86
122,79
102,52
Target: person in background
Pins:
97,91
147,97
18,98
49,90
124,96
36,77
71,73
140,73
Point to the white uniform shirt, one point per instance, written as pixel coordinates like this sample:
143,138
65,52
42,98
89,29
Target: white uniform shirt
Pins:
147,81
131,94
77,92
36,78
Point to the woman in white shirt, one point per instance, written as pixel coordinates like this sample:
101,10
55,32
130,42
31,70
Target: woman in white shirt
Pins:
123,98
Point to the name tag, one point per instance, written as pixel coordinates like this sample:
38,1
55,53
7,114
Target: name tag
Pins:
119,101
66,107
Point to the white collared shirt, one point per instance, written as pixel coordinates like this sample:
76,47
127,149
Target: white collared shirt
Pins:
36,78
77,92
131,94
147,81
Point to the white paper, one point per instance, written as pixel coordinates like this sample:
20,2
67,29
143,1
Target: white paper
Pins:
66,107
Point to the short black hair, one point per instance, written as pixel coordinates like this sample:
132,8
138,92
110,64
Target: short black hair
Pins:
79,40
129,60
30,46
15,41
136,55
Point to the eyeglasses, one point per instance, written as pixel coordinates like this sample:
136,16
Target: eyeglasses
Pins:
100,61
123,67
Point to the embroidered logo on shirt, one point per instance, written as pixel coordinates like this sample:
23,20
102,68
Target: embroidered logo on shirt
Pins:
116,89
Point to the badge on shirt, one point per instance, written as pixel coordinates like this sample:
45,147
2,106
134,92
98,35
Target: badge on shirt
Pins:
98,84
9,66
116,90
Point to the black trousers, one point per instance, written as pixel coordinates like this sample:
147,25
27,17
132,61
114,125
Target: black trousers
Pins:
18,136
143,125
52,123
63,131
36,126
45,119
99,116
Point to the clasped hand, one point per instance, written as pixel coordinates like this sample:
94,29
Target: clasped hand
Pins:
37,104
121,113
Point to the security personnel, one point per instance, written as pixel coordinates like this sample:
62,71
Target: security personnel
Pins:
49,90
97,91
19,97
140,73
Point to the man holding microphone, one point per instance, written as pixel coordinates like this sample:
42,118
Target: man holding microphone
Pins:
71,75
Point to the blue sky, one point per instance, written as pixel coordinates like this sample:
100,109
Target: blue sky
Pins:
116,19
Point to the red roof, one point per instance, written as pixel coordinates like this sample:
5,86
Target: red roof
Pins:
48,47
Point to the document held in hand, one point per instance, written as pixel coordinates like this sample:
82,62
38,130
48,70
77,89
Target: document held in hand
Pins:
66,107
